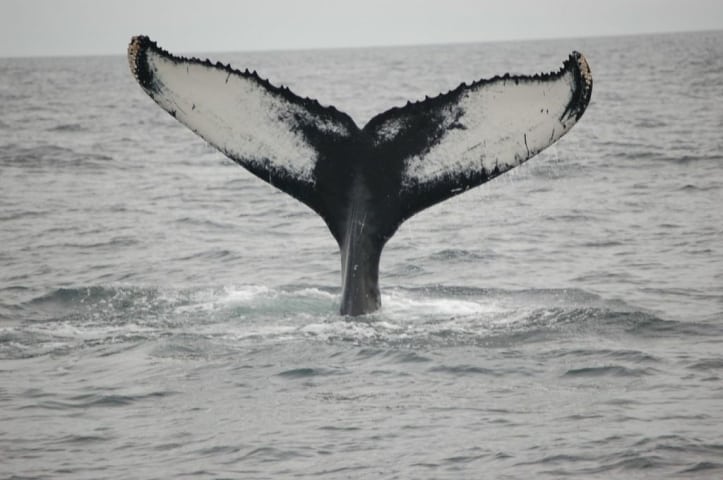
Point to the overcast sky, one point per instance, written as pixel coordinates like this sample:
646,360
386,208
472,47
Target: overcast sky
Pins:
79,27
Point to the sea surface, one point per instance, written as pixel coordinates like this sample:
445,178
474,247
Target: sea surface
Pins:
165,314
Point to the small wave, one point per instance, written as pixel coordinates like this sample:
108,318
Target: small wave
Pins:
634,461
206,223
705,467
306,372
96,400
24,214
650,122
463,459
634,356
67,127
82,439
464,370
565,464
708,364
601,244
269,455
100,299
19,155
454,254
690,188
66,319
667,450
120,241
212,254
609,370
51,156
648,325
685,159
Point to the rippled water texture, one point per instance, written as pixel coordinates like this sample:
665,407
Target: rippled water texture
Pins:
165,314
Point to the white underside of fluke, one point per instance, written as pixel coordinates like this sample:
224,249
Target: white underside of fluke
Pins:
238,116
495,127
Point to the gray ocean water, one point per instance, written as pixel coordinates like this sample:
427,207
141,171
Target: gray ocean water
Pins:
165,314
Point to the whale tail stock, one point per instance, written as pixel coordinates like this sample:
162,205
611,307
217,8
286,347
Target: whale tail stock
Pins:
365,182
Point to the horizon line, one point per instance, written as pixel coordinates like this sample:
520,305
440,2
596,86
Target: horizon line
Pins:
373,46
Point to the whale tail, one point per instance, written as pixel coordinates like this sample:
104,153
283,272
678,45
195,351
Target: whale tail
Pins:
365,182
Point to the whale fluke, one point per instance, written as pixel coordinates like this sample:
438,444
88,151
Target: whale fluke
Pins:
365,182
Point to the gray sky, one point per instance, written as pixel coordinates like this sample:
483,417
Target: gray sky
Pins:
78,27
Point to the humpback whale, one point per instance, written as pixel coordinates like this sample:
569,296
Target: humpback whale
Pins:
364,182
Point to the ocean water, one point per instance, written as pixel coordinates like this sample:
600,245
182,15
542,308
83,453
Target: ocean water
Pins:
165,314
